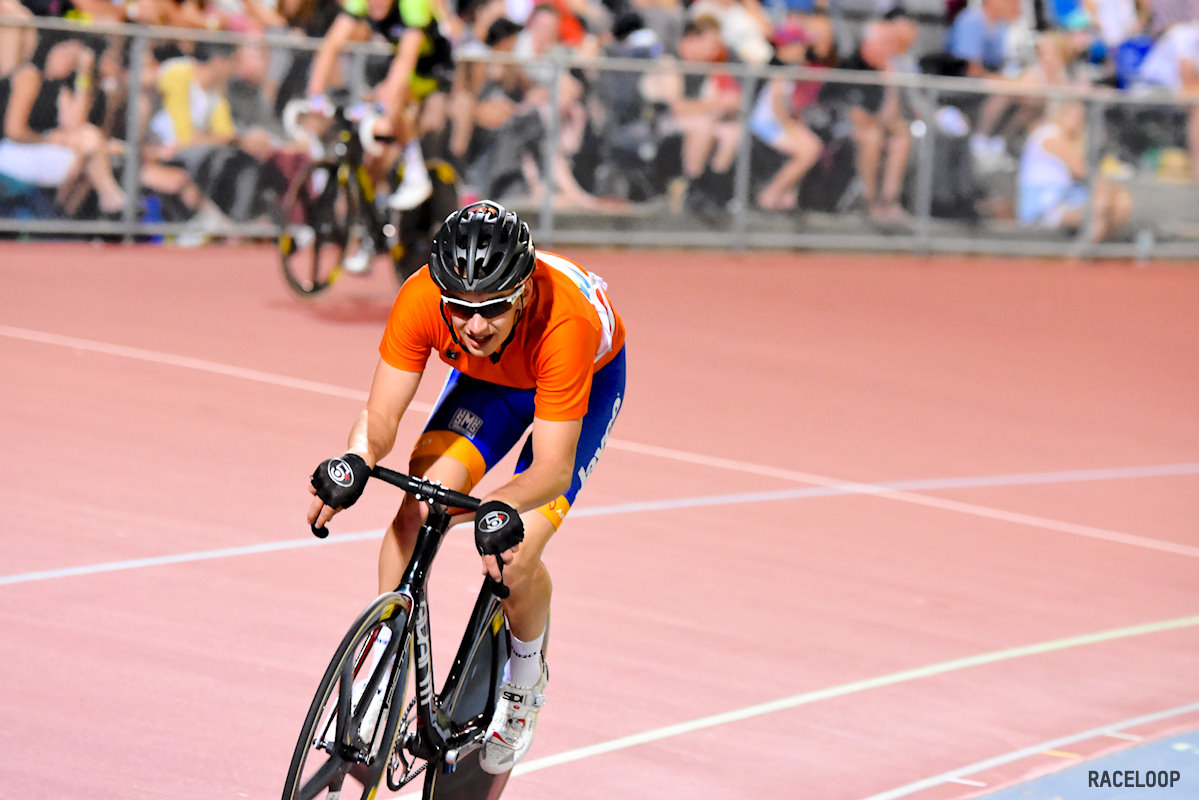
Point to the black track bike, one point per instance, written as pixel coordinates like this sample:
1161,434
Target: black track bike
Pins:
360,731
332,214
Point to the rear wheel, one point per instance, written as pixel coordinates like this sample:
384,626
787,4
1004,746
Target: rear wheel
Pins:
474,696
351,724
416,227
322,215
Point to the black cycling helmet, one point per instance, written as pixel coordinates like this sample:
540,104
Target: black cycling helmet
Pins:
481,247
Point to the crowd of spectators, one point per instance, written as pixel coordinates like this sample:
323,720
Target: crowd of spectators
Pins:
213,149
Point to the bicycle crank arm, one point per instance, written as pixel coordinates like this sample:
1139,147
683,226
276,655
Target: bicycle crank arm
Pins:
454,755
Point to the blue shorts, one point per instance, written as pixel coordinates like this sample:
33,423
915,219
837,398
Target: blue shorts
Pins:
477,423
1048,205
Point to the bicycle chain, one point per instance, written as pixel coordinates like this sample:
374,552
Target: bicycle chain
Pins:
397,753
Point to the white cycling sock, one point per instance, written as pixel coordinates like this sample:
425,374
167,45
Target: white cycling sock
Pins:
414,159
524,665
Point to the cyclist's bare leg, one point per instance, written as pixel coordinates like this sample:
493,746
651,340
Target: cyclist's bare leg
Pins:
528,605
400,538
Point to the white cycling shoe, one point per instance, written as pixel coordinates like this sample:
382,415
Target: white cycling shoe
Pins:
510,733
415,188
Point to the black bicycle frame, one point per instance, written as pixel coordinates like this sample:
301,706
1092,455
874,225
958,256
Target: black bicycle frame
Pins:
438,736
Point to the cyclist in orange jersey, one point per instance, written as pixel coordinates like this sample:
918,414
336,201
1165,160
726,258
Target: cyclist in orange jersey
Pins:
533,342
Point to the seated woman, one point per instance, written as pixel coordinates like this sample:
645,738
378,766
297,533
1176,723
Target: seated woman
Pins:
48,141
776,120
1053,170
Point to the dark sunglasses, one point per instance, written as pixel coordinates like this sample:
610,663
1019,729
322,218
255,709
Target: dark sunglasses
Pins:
488,309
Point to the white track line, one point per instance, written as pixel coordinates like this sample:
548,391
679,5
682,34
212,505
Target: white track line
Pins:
942,668
1016,755
695,458
900,495
611,510
855,687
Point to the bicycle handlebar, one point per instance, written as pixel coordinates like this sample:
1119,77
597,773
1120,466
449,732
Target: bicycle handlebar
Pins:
361,115
421,489
430,492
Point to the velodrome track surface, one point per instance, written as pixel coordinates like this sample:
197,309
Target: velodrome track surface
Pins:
868,527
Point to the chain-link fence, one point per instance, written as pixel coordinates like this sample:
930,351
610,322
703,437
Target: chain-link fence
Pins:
612,151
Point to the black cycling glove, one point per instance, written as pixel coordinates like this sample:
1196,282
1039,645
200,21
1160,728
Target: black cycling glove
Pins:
497,528
339,481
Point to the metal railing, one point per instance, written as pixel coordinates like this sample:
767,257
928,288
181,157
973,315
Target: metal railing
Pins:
1163,226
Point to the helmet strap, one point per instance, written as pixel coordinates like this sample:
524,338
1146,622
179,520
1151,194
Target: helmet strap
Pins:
446,319
495,357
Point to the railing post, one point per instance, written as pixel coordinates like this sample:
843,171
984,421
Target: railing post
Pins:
1094,147
131,178
549,152
741,169
925,160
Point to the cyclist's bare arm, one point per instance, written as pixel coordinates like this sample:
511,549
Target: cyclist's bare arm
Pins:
345,29
373,435
374,432
548,476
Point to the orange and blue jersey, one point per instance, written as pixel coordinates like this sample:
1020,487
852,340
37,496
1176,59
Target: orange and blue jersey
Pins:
565,361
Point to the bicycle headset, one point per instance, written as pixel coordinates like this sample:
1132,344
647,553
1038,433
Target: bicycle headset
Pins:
482,247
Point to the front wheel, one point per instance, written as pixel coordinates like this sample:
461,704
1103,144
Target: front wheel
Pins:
417,227
351,723
321,215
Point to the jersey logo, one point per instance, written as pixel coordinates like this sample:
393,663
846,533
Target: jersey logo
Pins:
466,422
452,355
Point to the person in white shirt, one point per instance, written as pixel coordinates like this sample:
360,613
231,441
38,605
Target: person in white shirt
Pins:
1173,66
1052,180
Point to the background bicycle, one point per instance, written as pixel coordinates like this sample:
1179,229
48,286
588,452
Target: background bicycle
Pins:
334,216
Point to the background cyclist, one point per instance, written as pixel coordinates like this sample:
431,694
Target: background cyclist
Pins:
532,341
422,54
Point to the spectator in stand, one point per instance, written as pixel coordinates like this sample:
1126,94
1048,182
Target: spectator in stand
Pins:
703,109
777,122
195,110
484,99
48,141
978,37
881,132
1052,179
1172,67
195,130
541,38
471,76
745,27
665,18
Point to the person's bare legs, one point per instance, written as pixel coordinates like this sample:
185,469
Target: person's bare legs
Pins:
899,145
699,136
868,138
804,148
97,166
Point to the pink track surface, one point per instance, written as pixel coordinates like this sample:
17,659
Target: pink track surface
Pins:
163,402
